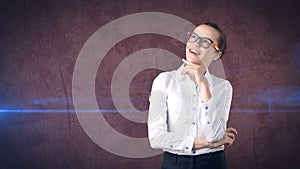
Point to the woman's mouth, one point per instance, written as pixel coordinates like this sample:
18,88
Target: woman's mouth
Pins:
193,51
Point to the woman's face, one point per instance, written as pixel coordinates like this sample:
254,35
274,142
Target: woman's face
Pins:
196,53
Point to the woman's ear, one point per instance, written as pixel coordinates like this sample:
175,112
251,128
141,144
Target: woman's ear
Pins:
217,56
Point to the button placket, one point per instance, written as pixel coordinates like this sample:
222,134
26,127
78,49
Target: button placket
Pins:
195,108
195,99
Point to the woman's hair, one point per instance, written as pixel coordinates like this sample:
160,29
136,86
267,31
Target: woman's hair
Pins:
222,36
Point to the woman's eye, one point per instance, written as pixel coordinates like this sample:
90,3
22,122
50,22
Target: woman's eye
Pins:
194,37
205,42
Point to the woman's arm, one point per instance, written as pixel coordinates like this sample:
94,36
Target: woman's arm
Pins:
227,139
159,135
214,105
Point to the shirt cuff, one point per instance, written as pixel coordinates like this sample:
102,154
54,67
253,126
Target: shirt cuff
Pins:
184,146
188,144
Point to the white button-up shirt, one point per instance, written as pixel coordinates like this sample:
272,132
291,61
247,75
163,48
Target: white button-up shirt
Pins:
177,115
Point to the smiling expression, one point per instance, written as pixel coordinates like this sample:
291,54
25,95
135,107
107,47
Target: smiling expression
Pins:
197,54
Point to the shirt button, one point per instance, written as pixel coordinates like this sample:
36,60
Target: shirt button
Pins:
193,123
208,122
193,151
194,108
206,107
186,147
194,95
171,145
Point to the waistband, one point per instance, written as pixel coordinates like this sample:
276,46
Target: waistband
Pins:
202,157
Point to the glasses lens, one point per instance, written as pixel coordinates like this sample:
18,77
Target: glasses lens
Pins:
205,43
191,37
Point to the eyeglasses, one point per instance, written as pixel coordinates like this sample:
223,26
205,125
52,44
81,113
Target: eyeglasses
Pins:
203,41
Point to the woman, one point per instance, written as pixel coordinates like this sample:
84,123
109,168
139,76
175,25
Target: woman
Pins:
189,107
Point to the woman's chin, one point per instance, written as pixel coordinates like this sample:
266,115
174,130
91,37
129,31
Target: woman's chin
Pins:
193,60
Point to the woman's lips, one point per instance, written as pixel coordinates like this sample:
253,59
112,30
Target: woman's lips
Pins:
193,51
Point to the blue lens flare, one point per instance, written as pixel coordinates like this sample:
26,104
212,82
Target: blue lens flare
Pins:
64,111
276,99
130,111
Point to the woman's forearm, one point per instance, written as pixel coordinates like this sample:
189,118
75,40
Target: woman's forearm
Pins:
205,91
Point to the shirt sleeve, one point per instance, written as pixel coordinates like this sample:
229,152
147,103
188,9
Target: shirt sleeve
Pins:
159,136
215,113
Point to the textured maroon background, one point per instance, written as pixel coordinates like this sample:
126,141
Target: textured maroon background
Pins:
39,45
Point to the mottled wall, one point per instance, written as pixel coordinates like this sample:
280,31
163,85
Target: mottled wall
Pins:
41,40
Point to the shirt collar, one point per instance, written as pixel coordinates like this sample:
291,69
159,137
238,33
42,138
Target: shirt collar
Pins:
180,76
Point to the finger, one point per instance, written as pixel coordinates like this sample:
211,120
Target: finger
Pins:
188,68
230,135
185,61
185,70
196,67
234,130
189,63
228,142
192,67
231,130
